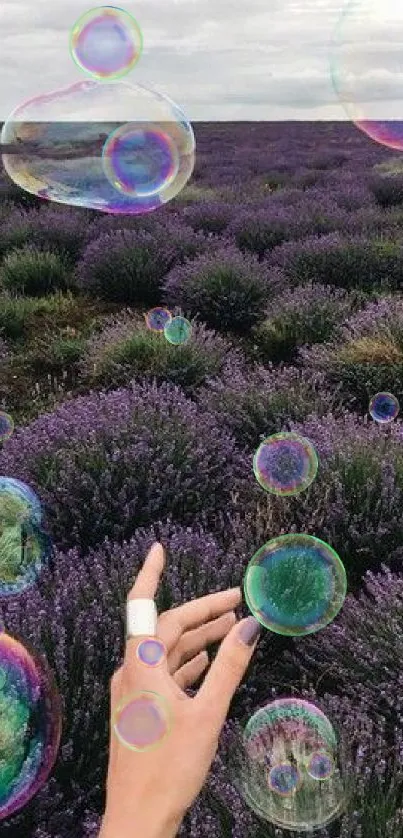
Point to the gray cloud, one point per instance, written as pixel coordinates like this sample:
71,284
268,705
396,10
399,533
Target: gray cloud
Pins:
219,59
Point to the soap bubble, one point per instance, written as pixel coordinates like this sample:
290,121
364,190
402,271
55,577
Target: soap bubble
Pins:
320,765
151,651
117,148
143,721
284,779
384,408
106,42
6,426
30,505
30,712
140,161
285,464
157,319
366,68
178,331
270,765
295,584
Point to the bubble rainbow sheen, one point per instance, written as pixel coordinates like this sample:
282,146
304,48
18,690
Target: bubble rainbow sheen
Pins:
30,713
142,721
365,68
270,770
284,779
295,584
384,407
117,148
178,331
6,426
106,42
157,319
140,160
285,464
320,765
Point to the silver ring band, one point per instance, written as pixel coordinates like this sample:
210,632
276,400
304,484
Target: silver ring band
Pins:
141,618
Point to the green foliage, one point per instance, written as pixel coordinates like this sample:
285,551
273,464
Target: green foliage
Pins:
33,272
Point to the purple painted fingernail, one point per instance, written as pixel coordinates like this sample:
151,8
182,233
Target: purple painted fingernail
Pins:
249,631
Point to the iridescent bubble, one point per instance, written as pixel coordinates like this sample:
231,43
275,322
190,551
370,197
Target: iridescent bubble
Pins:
106,42
320,765
151,651
285,464
21,500
30,712
117,148
178,331
157,319
143,721
384,407
278,743
284,779
366,68
295,584
140,161
6,426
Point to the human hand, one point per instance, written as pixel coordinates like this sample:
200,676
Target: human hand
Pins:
149,792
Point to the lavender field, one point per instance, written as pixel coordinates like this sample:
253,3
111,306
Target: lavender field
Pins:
285,251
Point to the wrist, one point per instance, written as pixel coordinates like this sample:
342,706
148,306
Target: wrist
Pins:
140,822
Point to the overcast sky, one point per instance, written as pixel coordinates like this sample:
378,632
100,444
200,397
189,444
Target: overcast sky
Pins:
218,59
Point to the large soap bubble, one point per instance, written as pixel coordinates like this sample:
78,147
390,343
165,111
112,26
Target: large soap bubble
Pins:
24,547
367,70
30,713
116,147
295,584
290,765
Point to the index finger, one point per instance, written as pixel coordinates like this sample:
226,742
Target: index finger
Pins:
147,581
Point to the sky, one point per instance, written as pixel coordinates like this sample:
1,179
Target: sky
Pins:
220,60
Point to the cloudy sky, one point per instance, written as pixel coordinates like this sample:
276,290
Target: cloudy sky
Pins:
219,59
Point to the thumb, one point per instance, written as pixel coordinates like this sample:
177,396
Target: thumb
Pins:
227,670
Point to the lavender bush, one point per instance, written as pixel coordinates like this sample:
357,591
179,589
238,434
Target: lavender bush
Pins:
261,401
226,289
34,272
300,316
126,349
387,189
128,266
106,464
209,216
63,231
354,262
359,654
366,355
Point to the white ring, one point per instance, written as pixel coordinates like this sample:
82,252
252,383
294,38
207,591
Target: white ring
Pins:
141,618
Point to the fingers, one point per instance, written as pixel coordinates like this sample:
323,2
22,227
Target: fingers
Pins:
147,581
227,671
172,624
194,641
115,692
190,672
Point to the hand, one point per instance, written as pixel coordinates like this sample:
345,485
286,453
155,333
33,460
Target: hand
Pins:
149,792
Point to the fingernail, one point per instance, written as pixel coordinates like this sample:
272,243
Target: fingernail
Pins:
249,631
